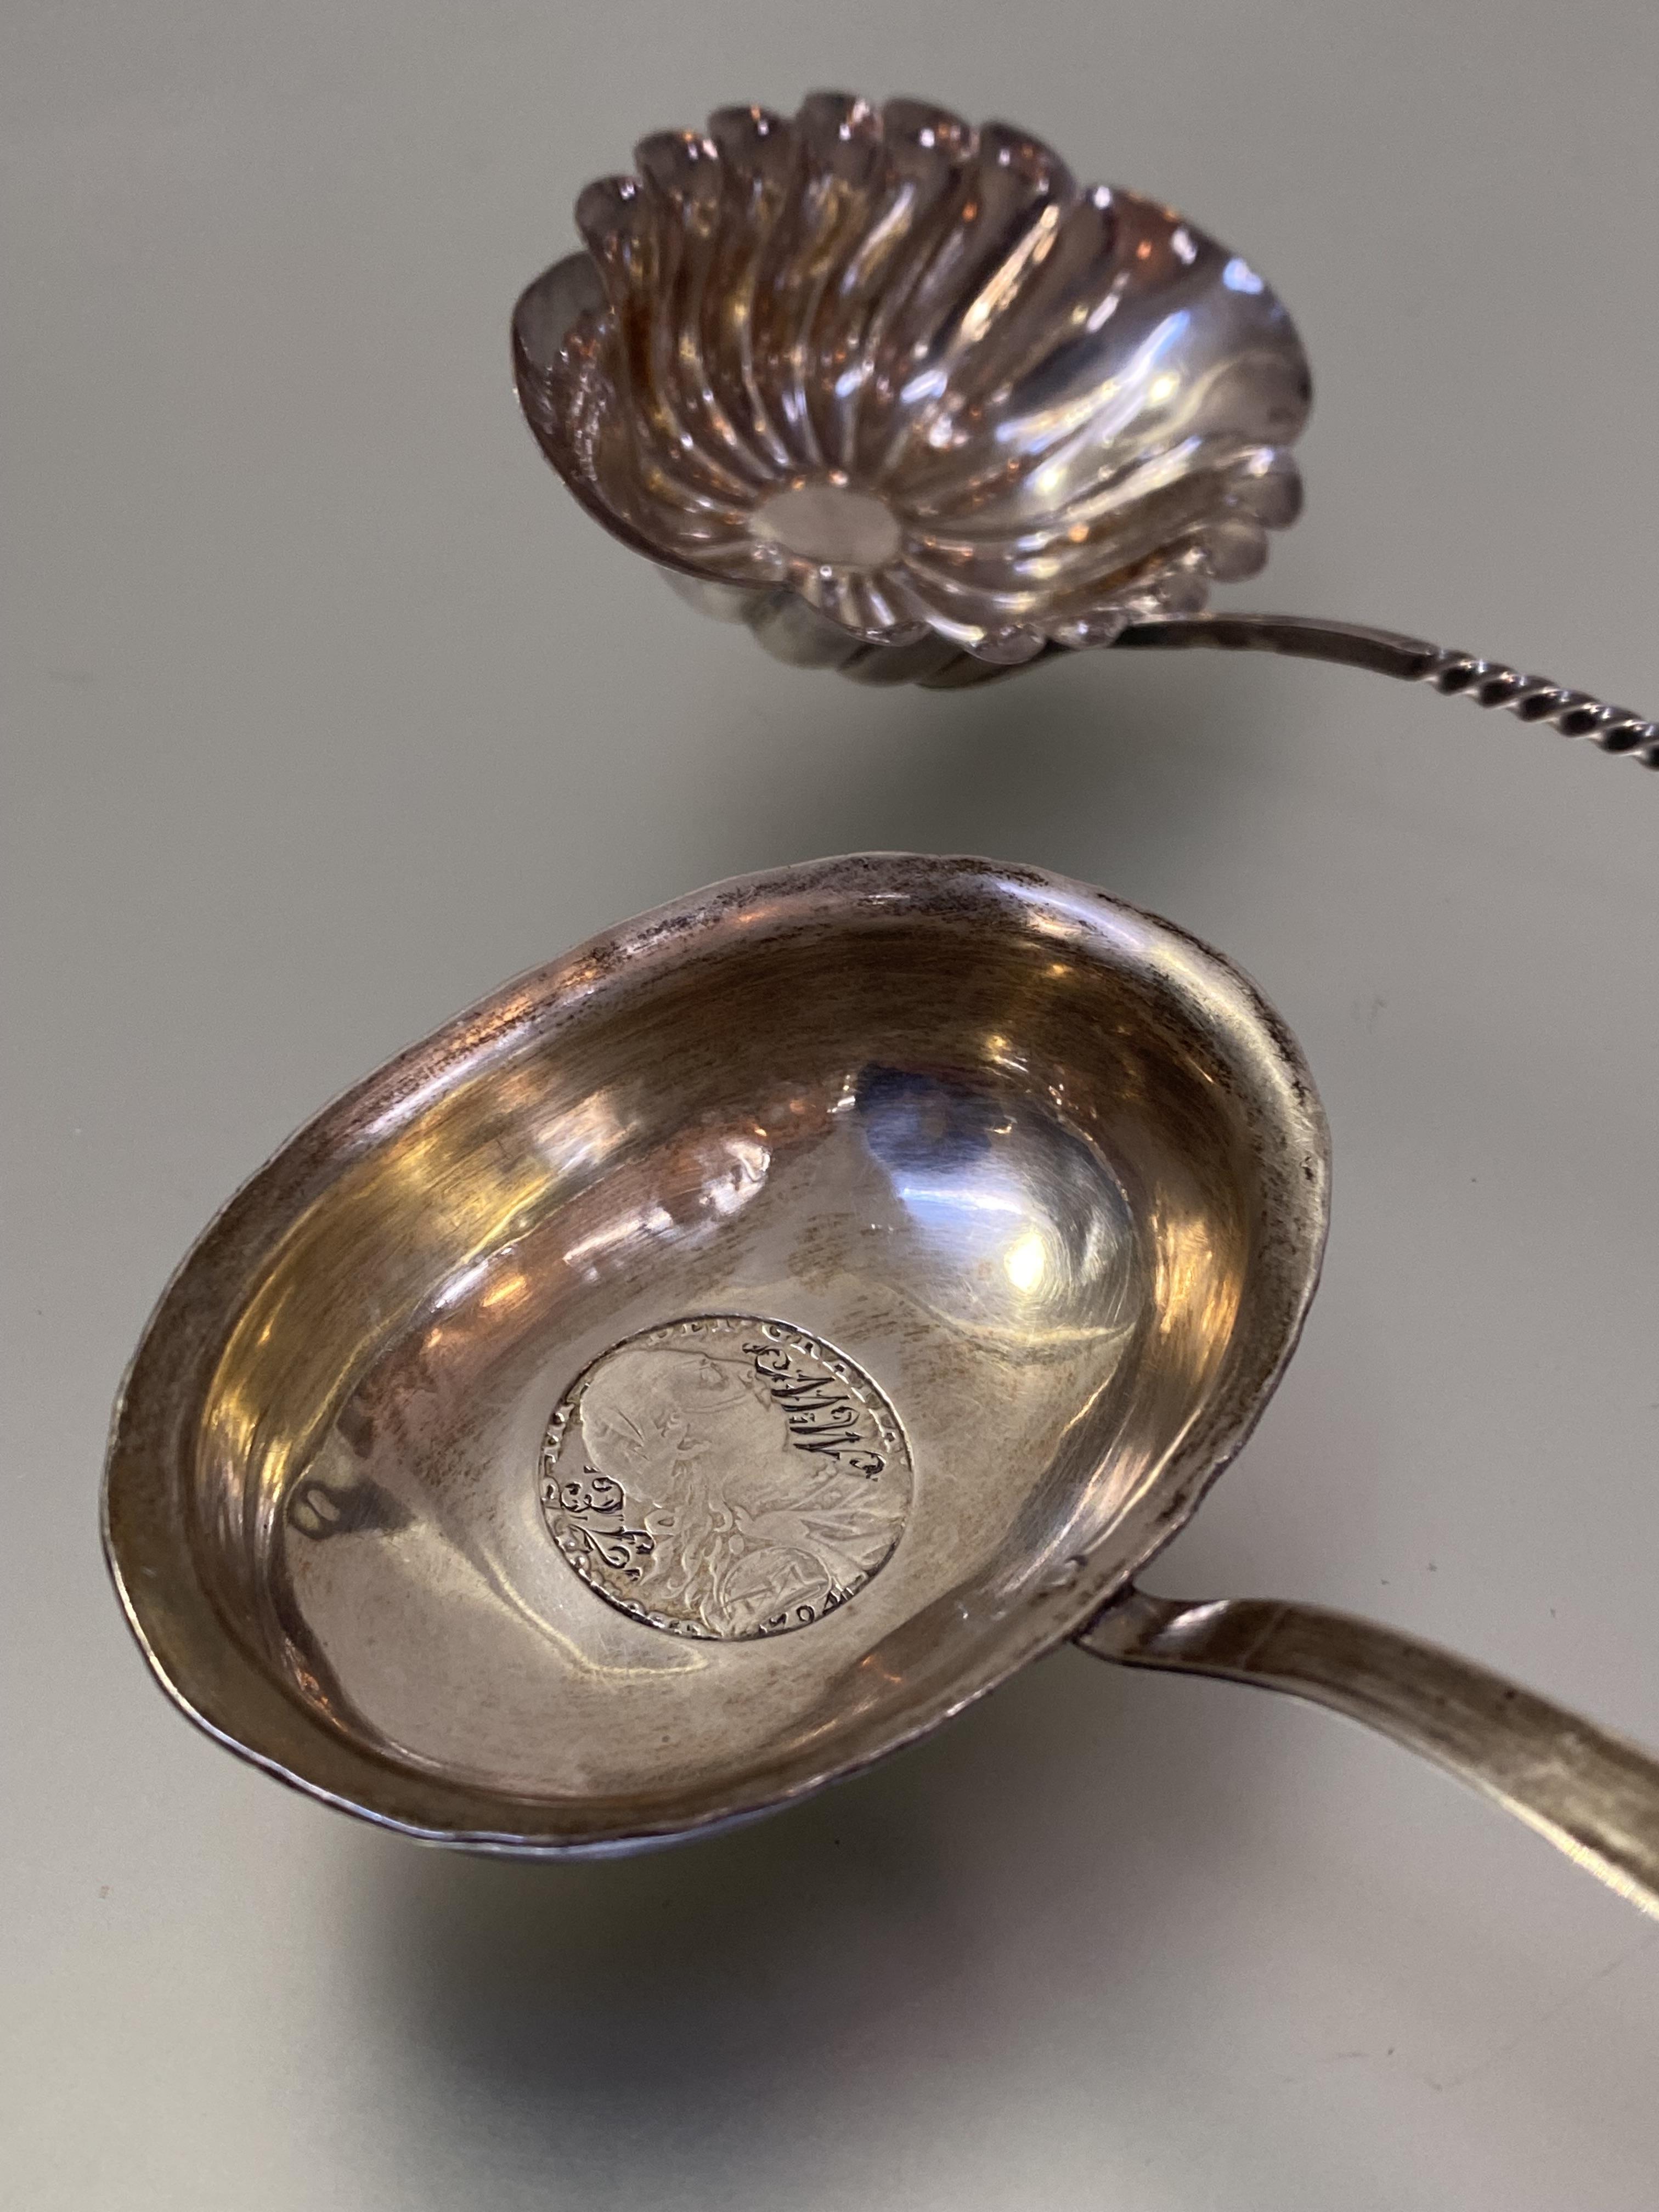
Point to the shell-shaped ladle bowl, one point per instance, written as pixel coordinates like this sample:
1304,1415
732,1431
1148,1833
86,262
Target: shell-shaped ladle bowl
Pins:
910,402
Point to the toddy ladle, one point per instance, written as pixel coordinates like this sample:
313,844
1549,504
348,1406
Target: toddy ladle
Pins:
907,399
716,1359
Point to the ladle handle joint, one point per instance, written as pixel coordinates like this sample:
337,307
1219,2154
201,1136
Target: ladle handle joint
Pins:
1459,675
1593,1794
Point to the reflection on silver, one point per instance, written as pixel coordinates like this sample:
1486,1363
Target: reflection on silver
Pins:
1052,1171
915,378
909,402
724,1477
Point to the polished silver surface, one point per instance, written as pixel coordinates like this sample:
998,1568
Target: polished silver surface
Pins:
1041,1175
726,1476
326,709
1455,675
908,1242
1591,1793
902,397
872,378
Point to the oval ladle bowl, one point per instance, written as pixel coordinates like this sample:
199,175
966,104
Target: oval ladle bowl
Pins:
711,1362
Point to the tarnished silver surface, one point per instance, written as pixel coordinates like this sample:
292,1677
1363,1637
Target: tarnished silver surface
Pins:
901,1246
909,402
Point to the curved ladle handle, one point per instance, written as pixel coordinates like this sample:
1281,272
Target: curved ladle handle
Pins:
1488,682
1594,1795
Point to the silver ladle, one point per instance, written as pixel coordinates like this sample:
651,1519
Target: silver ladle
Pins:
710,1363
911,402
713,1361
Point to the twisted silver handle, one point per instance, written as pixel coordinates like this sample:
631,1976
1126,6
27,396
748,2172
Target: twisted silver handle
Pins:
1460,675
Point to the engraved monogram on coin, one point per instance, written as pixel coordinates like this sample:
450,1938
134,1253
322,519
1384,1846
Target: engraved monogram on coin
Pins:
724,1477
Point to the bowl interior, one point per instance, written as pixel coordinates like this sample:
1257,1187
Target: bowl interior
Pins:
913,376
709,1363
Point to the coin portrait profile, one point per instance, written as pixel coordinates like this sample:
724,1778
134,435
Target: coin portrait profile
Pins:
724,1477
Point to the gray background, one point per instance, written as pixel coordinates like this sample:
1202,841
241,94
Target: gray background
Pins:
326,711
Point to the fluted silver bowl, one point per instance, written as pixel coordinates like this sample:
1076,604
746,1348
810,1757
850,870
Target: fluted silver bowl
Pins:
901,391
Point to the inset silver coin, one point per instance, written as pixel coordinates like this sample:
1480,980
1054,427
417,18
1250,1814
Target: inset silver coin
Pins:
726,1476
